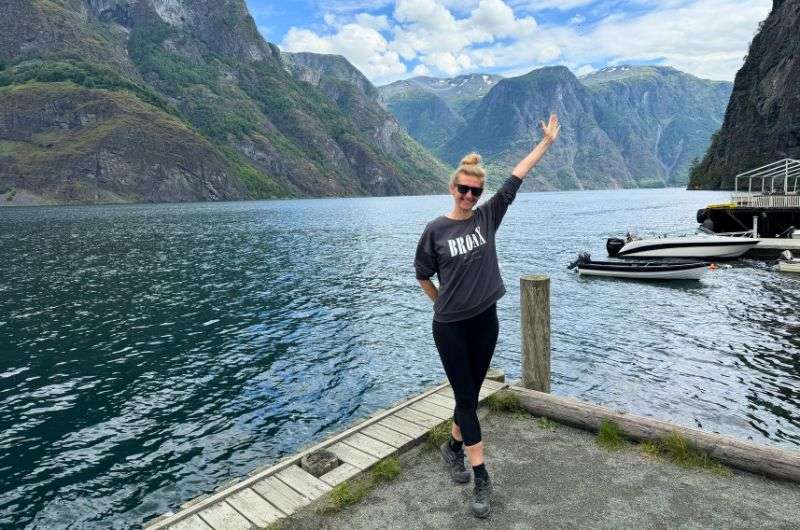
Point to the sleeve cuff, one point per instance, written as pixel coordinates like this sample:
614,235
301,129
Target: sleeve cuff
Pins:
514,182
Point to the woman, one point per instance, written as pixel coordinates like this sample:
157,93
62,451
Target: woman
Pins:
460,248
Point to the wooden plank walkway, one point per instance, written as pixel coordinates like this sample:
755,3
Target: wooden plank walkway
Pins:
268,495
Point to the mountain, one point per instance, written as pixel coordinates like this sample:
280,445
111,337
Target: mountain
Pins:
154,100
358,98
623,126
660,118
462,93
762,121
433,109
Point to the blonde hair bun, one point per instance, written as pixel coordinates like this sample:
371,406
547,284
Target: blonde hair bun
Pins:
472,159
469,165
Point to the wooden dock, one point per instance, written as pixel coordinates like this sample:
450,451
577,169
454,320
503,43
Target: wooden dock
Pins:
271,494
779,244
771,247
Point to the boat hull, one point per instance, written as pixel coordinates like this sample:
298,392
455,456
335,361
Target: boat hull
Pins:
691,271
789,266
682,247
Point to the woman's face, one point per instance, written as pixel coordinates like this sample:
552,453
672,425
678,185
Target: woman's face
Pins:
467,201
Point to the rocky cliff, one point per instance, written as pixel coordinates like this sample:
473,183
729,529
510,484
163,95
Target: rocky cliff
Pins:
358,98
621,127
200,70
762,121
67,144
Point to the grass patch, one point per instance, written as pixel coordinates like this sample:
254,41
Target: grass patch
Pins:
387,469
610,437
546,424
503,402
439,434
345,494
681,451
650,448
354,490
521,415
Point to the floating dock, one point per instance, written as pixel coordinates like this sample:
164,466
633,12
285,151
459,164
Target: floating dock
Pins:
778,244
268,495
772,247
765,201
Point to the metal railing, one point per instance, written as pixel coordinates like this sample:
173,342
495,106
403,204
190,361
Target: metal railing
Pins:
774,185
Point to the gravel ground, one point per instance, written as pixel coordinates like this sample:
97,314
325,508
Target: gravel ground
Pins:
563,479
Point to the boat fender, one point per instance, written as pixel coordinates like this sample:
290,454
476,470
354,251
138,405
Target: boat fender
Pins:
583,257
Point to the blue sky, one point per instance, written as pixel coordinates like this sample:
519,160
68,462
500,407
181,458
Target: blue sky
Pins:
396,39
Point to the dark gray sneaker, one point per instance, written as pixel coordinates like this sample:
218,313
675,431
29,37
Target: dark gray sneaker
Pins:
455,463
480,503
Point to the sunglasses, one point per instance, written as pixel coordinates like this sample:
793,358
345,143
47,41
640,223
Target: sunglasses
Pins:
463,189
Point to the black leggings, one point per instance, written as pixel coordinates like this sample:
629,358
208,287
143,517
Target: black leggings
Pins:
466,348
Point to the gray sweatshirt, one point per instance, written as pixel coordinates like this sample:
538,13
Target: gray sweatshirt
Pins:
463,255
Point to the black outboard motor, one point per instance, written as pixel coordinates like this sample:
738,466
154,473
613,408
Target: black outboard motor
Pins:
583,257
614,245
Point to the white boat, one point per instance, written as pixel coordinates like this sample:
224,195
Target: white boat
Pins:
699,247
641,269
789,263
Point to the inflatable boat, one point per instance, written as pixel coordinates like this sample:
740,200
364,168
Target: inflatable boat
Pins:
788,263
641,269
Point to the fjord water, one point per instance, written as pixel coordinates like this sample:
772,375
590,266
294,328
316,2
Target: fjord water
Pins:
149,353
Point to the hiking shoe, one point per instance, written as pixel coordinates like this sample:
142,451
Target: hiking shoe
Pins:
480,503
455,463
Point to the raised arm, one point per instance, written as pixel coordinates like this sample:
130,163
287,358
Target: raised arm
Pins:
550,133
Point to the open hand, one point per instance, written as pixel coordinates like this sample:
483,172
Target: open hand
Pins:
551,130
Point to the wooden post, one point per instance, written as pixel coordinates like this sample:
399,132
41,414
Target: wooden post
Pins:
535,308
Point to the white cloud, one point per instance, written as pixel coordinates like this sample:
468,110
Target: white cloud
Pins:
363,46
577,19
448,63
446,37
498,19
420,69
707,37
378,23
304,40
541,5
